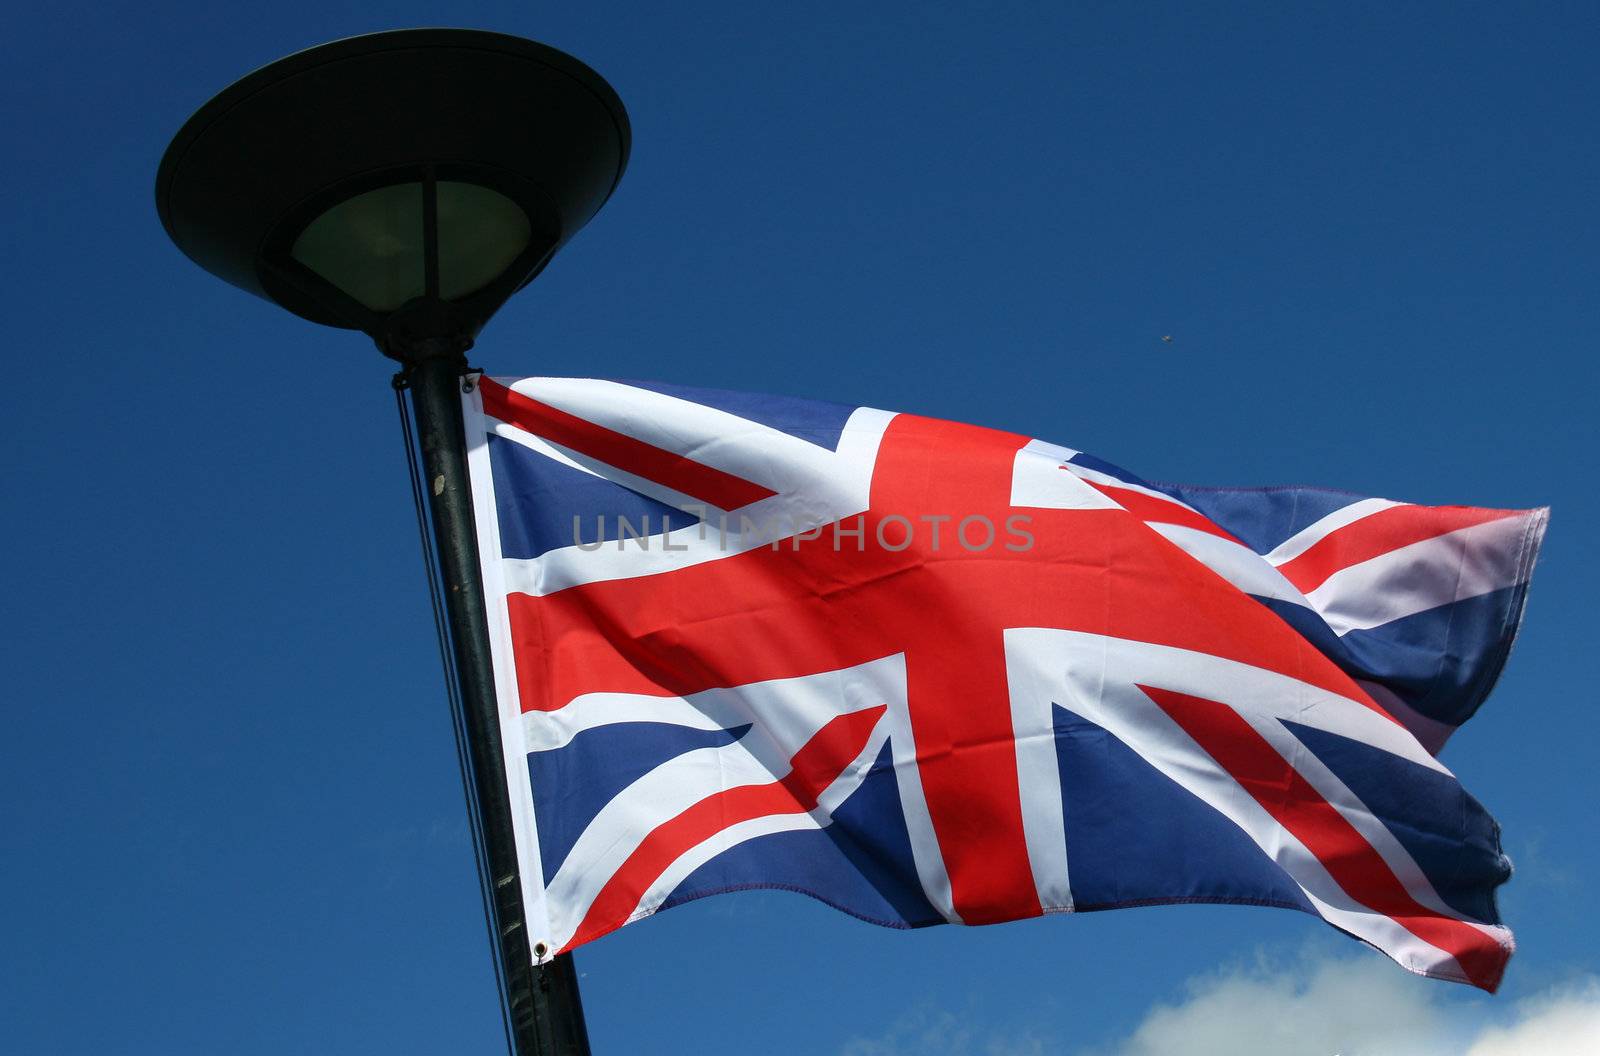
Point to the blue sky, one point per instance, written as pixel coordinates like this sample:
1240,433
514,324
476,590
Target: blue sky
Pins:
232,816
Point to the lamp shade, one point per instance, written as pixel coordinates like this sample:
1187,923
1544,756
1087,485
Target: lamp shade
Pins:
352,180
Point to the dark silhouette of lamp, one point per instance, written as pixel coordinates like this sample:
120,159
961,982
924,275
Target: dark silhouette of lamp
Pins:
404,184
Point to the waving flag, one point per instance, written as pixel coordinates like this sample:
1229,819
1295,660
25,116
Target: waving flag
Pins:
934,673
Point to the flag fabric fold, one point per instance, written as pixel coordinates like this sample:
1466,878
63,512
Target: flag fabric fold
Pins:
930,673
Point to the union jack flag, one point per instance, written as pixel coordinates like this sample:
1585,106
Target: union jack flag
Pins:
934,673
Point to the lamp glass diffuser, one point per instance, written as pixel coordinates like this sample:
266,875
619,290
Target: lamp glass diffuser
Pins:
481,232
370,246
373,246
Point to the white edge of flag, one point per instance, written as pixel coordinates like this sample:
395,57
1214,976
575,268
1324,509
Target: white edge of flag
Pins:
535,908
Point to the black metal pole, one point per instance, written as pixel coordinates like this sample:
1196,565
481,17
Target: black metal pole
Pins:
546,1013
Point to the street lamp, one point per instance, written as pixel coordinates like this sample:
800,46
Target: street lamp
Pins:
406,184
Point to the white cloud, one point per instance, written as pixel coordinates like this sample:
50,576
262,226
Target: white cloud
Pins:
1564,1023
1309,1005
1360,1007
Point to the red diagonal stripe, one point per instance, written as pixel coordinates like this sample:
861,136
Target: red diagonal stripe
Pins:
1354,864
814,767
1378,534
685,476
1161,511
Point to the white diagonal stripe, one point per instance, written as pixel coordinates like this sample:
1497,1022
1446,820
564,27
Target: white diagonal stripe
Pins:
1098,678
815,487
1314,533
1234,562
1452,567
818,817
